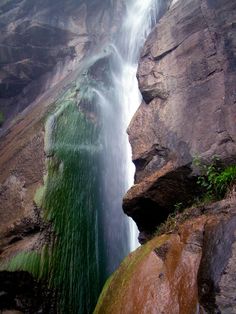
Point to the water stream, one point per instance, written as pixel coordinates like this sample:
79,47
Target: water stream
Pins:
123,98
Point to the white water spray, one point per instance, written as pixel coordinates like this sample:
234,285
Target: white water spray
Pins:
137,25
118,101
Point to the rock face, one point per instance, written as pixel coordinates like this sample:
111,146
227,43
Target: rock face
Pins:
190,271
13,287
42,41
187,78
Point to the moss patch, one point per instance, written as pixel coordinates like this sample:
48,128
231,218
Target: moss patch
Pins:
31,262
114,290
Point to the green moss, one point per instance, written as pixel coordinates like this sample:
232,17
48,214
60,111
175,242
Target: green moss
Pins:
70,202
116,287
29,261
38,197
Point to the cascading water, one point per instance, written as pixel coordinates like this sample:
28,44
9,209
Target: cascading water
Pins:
89,169
120,101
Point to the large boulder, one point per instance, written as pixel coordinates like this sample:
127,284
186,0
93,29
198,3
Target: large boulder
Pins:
190,270
187,76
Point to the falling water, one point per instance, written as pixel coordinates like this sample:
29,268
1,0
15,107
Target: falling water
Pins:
89,169
123,98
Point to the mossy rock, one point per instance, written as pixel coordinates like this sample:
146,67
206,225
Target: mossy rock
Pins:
117,286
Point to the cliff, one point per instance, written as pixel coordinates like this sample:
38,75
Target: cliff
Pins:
42,42
187,78
186,122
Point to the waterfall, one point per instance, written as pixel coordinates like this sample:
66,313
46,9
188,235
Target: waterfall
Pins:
89,169
122,97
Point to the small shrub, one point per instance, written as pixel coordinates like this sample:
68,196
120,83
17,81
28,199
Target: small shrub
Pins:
168,226
179,207
1,118
214,179
225,179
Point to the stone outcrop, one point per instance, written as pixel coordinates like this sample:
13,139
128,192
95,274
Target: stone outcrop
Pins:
191,270
187,78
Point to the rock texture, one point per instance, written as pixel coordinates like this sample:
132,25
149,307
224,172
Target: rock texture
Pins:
42,41
188,271
187,78
20,293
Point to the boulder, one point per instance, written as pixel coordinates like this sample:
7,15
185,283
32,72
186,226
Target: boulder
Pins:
189,270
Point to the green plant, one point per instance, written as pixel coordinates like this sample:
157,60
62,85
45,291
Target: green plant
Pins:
1,118
214,179
179,207
225,179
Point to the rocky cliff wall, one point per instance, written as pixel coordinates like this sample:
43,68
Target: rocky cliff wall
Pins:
187,78
43,41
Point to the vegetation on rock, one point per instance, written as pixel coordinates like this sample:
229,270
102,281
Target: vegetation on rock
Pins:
69,266
215,179
1,118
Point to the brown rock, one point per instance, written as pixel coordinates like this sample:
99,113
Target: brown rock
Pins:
190,271
22,164
187,77
20,293
38,48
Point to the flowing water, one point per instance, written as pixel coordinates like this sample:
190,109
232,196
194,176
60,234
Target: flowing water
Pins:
89,169
120,102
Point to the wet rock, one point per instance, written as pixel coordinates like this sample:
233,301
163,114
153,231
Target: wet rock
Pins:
189,271
19,293
159,277
216,277
187,77
22,170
